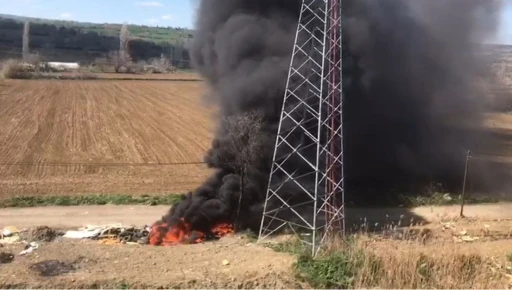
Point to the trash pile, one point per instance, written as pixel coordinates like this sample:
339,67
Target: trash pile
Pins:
112,234
12,235
106,234
29,248
459,236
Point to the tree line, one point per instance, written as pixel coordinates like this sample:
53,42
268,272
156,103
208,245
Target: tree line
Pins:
73,44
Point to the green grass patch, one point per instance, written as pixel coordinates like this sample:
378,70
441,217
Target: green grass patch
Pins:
123,285
337,270
115,199
509,257
332,268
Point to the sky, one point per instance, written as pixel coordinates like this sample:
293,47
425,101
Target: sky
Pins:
504,34
175,13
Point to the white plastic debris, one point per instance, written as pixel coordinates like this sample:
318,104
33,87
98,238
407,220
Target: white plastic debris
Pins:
91,231
447,197
9,231
448,226
469,239
29,248
101,231
102,227
83,234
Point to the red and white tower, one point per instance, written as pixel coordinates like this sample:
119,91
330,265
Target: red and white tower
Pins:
310,133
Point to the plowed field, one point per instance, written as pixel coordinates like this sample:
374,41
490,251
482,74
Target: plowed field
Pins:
83,137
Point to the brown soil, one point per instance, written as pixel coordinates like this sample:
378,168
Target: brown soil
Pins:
86,137
133,137
189,266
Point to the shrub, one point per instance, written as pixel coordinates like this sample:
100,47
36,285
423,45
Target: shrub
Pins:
102,64
15,69
134,68
334,271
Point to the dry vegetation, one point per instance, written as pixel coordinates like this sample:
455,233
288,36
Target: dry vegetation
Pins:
38,69
446,254
15,69
67,137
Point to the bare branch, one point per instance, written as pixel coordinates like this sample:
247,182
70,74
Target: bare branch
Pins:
121,58
245,137
244,144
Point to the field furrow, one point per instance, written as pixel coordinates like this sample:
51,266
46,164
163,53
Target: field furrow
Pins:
83,137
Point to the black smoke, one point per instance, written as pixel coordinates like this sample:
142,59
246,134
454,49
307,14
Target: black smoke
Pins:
408,69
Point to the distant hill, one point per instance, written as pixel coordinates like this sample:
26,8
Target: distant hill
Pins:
150,33
60,40
80,41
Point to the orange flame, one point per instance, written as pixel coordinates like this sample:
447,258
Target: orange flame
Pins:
163,234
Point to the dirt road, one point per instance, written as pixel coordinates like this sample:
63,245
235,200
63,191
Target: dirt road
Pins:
141,215
76,216
232,262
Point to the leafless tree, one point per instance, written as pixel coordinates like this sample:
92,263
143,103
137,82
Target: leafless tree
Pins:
124,39
121,58
25,49
118,60
246,141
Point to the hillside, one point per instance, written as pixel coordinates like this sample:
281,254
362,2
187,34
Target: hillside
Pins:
77,41
148,33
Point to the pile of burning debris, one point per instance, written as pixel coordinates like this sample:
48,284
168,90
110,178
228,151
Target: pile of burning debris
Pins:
164,234
160,234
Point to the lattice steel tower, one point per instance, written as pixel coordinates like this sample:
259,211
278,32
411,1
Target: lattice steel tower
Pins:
306,186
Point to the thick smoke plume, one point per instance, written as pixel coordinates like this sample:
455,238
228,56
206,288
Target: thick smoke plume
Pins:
408,71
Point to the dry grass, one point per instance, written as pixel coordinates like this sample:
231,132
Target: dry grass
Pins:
413,266
412,258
